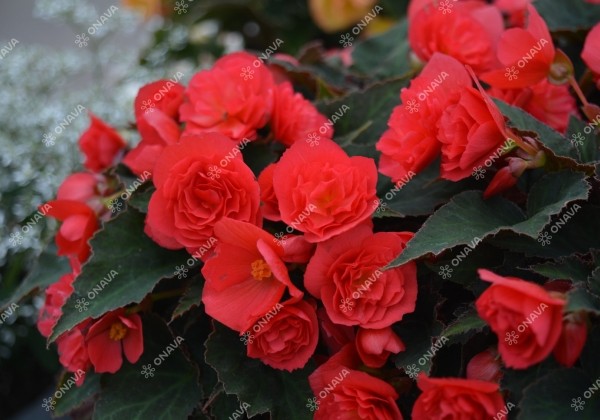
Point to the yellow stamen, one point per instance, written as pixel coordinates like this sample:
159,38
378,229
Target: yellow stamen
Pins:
260,270
118,331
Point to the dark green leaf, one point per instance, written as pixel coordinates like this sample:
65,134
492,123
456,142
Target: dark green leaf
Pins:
121,247
363,114
579,299
551,397
171,392
190,298
584,138
579,15
464,327
468,216
421,194
568,268
279,392
77,396
384,56
47,270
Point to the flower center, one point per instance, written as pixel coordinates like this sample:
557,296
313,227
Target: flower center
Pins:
118,331
260,270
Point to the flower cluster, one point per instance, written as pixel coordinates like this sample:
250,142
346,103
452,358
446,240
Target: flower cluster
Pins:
290,256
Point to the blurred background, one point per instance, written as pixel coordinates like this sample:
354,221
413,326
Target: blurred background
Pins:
58,57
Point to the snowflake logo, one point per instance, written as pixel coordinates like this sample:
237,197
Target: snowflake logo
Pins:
247,73
577,139
180,271
381,207
81,305
181,7
247,338
511,73
412,106
148,106
313,404
346,305
511,338
578,404
544,238
412,371
49,404
213,172
445,272
280,238
115,205
48,139
313,139
82,40
346,40
148,371
445,7
16,238
478,173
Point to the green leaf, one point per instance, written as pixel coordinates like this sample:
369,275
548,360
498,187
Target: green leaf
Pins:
579,299
585,142
594,281
468,216
548,136
589,355
76,396
191,297
579,236
420,331
421,194
283,394
579,15
47,270
550,398
384,56
464,327
140,198
120,247
363,114
571,268
560,153
171,393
